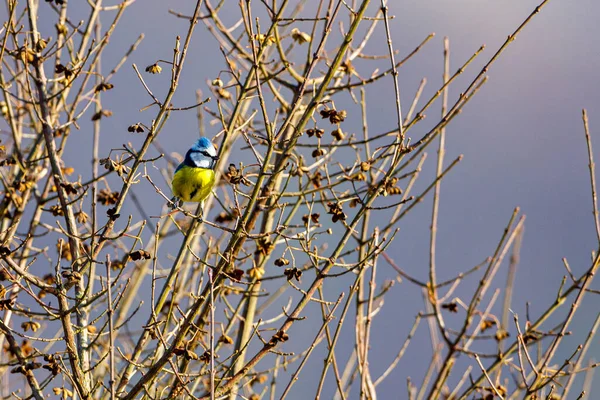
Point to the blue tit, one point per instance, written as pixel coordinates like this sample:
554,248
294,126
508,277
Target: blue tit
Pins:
194,178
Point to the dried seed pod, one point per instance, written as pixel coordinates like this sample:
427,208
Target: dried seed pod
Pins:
140,255
501,334
318,153
315,132
62,29
346,68
235,176
236,274
338,134
264,246
264,39
225,339
137,128
314,218
334,116
281,262
292,273
56,210
335,209
41,45
300,37
103,87
452,307
487,324
30,325
81,217
205,357
280,336
224,94
256,273
106,197
359,176
154,69
101,114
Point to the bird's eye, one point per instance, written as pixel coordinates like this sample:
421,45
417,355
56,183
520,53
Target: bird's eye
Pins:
205,153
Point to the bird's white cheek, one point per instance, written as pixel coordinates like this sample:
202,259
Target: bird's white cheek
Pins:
204,163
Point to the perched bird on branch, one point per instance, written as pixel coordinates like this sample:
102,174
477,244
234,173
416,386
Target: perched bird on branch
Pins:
194,178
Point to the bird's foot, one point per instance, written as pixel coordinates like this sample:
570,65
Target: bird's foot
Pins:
175,202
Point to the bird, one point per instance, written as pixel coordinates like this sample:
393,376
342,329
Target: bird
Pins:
194,178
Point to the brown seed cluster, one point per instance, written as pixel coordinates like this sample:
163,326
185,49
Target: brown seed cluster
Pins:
101,114
334,116
225,216
61,69
236,274
235,176
281,262
335,210
337,134
390,187
107,197
315,132
452,307
52,364
313,218
292,273
280,336
264,246
140,255
137,128
111,165
103,87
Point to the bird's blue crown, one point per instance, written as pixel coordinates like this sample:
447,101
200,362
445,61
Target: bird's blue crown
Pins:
201,155
202,143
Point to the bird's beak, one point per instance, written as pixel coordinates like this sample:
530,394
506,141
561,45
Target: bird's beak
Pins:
215,158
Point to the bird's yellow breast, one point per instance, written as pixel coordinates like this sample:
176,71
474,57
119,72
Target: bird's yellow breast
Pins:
193,184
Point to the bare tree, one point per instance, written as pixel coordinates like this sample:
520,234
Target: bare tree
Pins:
313,202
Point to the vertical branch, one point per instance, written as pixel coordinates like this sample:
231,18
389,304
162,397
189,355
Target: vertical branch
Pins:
592,166
508,291
212,334
111,342
367,387
432,284
82,380
400,137
252,300
362,254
